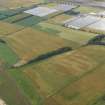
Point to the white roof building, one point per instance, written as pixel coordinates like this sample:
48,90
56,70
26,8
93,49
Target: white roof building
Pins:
41,11
81,22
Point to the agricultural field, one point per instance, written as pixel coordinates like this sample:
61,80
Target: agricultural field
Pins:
28,22
68,34
7,55
26,51
85,9
6,28
59,19
17,3
14,95
17,18
44,62
53,76
88,89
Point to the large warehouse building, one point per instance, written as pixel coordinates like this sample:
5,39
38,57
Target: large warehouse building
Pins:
87,22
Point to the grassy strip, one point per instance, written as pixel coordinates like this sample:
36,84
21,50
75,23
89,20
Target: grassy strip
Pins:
25,84
7,55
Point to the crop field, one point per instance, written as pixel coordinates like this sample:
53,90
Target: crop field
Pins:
10,12
14,95
60,79
59,19
84,9
28,22
7,55
69,34
6,28
26,51
51,5
42,62
59,75
16,18
84,91
2,17
17,3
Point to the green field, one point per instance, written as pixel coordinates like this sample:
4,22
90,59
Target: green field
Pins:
26,51
16,18
7,55
29,21
84,9
77,36
9,90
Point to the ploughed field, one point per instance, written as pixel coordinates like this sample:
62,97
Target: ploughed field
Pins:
44,63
